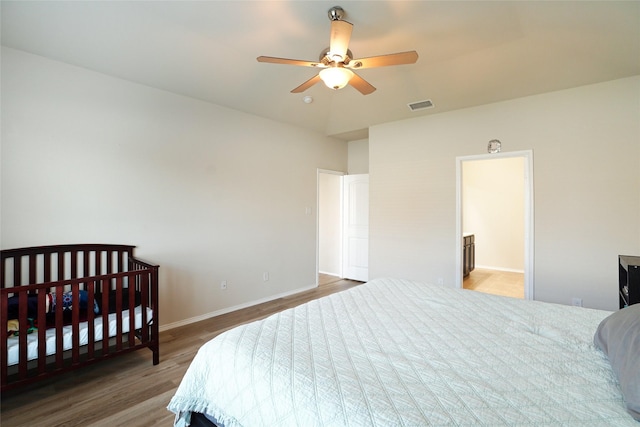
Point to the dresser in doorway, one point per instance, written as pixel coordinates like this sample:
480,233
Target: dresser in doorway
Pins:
468,253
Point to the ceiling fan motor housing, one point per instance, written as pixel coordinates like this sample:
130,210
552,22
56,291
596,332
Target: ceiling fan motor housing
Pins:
326,58
336,13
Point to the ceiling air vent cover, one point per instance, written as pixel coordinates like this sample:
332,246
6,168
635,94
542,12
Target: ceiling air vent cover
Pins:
420,105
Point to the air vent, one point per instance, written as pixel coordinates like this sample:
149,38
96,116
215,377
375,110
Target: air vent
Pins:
420,105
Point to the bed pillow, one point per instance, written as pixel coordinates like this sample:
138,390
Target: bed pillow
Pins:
618,336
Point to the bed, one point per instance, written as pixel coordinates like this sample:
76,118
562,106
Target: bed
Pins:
67,306
394,352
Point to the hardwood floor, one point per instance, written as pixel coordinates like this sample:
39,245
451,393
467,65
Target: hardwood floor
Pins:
495,282
129,390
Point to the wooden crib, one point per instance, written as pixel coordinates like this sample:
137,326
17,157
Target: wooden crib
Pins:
73,305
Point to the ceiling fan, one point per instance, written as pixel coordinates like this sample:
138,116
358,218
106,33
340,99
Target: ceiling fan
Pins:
336,61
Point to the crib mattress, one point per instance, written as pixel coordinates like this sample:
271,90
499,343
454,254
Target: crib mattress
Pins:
13,343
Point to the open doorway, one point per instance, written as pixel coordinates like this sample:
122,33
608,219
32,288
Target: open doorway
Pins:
495,205
329,226
342,233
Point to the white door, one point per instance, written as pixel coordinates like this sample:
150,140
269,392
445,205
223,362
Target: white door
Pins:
356,227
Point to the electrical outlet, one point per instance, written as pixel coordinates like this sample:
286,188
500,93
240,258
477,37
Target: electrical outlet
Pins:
265,276
440,281
223,285
577,302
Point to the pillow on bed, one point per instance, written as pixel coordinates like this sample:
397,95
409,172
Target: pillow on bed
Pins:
618,336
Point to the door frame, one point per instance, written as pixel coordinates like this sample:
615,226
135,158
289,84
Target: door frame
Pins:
527,156
341,174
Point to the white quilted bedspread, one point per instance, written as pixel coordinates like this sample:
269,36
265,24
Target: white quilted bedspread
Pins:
400,353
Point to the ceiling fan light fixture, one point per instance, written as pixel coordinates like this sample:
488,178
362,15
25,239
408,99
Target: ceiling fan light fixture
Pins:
336,77
337,61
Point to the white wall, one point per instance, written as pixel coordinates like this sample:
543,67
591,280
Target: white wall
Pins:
208,193
358,162
493,209
586,151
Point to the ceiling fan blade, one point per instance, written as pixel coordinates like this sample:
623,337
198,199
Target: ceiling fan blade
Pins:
272,60
306,85
363,86
383,60
340,36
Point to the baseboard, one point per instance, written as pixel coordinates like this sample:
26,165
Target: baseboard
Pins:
206,316
329,274
509,270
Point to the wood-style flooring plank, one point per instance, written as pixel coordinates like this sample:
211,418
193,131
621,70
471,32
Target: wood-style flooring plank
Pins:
496,282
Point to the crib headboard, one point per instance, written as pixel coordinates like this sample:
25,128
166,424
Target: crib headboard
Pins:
41,264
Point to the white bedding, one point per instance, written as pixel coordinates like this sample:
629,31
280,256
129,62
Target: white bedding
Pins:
400,353
67,335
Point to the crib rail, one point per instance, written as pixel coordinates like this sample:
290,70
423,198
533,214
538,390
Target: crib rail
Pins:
42,264
105,274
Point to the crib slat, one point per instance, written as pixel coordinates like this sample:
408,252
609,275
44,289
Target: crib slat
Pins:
132,311
4,306
33,269
60,272
86,266
109,262
47,267
91,327
105,315
74,264
144,291
119,311
17,271
42,330
3,272
98,262
117,254
75,323
22,335
58,326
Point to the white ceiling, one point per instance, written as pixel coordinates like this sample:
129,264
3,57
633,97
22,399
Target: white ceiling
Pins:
470,52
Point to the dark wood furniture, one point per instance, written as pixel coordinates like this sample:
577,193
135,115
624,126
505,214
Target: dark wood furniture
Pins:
105,274
468,254
629,280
